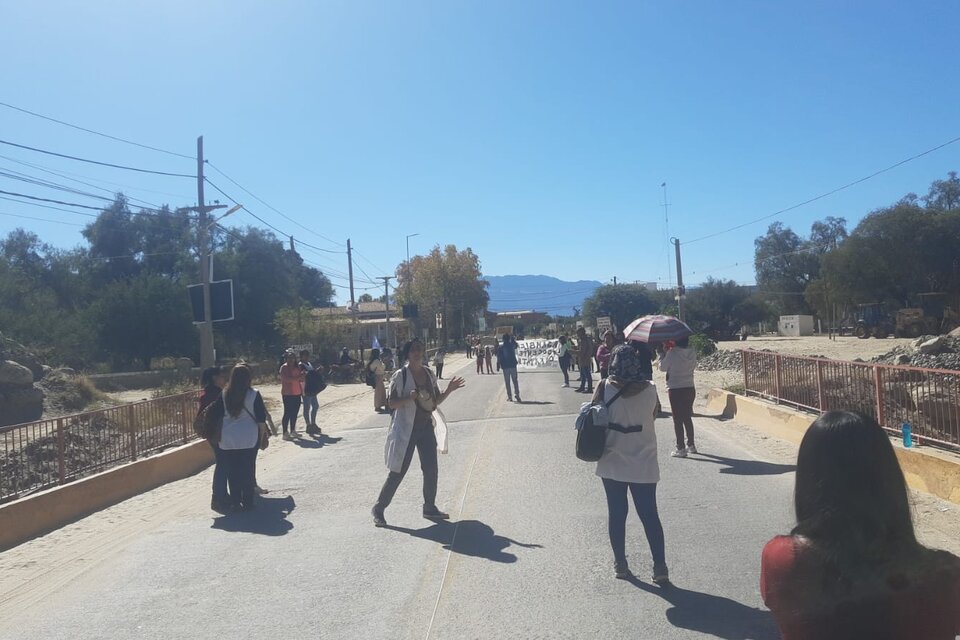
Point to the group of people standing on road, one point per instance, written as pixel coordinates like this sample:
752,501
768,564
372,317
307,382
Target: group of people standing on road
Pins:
852,566
300,383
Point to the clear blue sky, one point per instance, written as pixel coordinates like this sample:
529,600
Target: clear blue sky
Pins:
537,133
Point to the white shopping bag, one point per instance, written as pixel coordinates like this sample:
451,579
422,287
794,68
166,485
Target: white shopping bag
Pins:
440,430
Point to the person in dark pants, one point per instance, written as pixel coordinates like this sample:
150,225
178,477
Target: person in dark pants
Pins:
585,354
507,362
438,359
564,357
414,396
212,380
629,461
291,390
243,417
679,363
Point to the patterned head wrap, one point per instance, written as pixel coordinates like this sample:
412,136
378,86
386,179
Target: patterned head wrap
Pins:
625,365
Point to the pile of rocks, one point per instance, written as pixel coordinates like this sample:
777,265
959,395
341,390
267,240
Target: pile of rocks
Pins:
721,361
929,352
20,399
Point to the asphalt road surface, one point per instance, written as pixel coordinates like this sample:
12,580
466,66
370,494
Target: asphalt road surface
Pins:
525,554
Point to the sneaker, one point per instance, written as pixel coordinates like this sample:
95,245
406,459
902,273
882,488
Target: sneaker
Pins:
678,453
509,399
518,399
287,436
661,575
432,513
691,448
565,385
222,508
294,434
378,519
621,570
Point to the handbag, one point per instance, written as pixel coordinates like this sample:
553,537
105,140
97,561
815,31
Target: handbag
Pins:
591,426
205,424
263,430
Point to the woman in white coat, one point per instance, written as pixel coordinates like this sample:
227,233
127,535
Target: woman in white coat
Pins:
414,396
629,461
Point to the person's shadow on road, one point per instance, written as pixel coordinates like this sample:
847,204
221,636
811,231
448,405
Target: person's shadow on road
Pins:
740,467
316,441
268,519
539,402
713,615
468,538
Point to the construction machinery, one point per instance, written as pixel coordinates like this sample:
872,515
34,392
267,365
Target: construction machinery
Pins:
933,315
873,319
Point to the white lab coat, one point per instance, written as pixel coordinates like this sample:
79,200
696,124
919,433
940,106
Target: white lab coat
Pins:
401,423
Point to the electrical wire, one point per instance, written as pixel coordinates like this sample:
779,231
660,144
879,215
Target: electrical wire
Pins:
272,208
96,133
97,162
46,206
824,195
26,177
66,176
69,204
17,215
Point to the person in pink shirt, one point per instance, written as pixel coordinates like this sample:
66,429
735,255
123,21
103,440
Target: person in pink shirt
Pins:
291,388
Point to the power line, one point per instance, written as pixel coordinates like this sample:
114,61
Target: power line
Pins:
26,177
367,260
96,133
97,162
272,208
17,215
824,195
66,175
69,204
46,206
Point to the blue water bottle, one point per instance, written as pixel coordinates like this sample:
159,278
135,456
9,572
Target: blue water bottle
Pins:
907,435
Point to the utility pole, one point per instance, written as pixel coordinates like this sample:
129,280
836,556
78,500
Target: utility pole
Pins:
666,226
681,292
353,303
386,299
207,355
614,280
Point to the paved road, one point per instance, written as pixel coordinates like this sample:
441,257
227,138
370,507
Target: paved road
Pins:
524,556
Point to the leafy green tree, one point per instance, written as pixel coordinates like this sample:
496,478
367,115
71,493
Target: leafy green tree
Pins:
441,281
623,303
785,264
719,308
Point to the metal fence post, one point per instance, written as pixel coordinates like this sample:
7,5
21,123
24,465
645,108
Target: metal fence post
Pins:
61,452
132,425
777,371
821,404
184,418
878,386
746,378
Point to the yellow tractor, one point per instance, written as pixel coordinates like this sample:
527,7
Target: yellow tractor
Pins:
932,316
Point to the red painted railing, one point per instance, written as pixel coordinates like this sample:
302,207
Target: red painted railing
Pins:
46,453
928,399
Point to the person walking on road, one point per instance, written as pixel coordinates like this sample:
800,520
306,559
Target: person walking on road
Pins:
414,396
852,566
438,358
604,351
585,354
678,362
375,371
291,390
212,380
564,355
507,362
629,461
243,417
488,357
312,385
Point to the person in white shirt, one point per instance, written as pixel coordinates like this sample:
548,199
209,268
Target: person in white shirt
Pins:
679,362
629,461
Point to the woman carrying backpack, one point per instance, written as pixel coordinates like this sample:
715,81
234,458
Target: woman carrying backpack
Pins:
374,378
629,461
414,396
313,384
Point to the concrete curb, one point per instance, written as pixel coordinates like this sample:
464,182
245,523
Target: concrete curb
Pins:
927,469
43,512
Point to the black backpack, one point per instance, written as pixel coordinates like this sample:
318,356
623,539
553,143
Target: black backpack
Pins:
371,378
592,427
314,383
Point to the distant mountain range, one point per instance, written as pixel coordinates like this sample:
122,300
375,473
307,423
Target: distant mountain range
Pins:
538,293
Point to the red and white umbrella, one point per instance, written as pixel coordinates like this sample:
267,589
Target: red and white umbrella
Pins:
656,329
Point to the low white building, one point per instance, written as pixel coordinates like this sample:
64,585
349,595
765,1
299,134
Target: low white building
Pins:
795,326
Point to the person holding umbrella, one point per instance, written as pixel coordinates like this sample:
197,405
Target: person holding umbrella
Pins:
678,363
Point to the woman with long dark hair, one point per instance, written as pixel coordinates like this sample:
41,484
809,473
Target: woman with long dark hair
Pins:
244,418
291,390
414,396
212,380
852,567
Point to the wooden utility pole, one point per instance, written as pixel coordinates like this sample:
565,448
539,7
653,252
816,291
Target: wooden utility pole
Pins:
386,300
207,354
353,302
681,291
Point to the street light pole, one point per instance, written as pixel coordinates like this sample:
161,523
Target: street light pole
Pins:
412,235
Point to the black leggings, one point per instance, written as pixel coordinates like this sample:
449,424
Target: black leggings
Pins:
291,407
645,501
425,442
